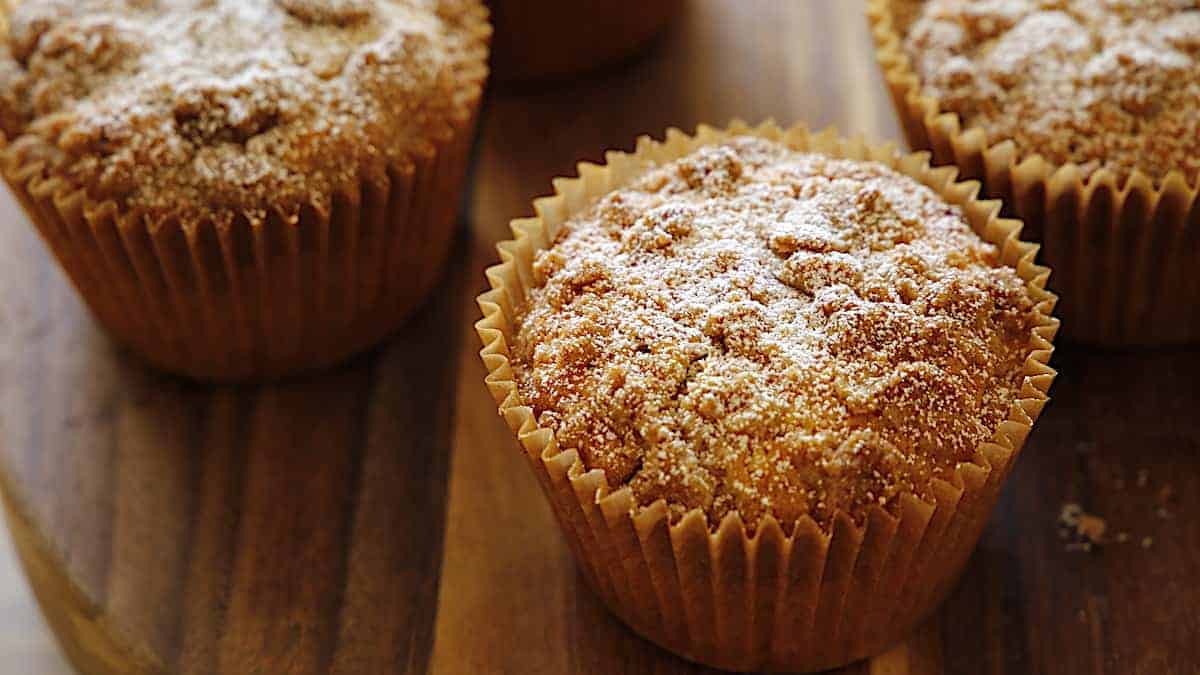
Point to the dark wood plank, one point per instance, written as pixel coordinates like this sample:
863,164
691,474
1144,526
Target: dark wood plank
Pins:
1125,606
174,527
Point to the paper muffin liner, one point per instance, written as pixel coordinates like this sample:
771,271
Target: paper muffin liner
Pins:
546,39
804,599
1124,255
259,296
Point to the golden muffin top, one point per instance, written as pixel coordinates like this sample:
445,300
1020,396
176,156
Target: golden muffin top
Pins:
192,109
750,329
1100,83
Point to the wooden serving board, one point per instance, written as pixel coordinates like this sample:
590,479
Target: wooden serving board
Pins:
379,518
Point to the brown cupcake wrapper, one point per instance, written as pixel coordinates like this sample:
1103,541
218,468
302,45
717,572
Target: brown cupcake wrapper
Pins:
1124,255
547,39
745,600
260,295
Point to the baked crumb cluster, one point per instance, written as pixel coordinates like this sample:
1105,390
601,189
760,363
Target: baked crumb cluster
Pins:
1101,83
757,330
186,107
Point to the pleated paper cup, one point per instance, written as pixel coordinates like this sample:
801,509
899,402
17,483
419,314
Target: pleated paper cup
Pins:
264,294
1124,254
547,39
780,595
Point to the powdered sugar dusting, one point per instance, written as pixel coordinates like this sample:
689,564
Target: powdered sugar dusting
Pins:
186,107
1111,83
755,330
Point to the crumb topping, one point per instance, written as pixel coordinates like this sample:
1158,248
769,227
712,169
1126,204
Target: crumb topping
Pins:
185,107
1100,83
757,330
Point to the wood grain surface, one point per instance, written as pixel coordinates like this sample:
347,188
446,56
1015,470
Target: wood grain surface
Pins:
26,643
380,519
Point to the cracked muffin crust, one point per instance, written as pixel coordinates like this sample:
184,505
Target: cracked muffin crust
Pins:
188,107
750,329
1109,83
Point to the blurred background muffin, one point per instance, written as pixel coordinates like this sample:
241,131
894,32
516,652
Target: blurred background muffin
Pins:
546,39
243,188
1081,116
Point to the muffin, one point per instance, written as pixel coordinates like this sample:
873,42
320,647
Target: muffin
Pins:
771,384
243,188
1082,117
546,39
